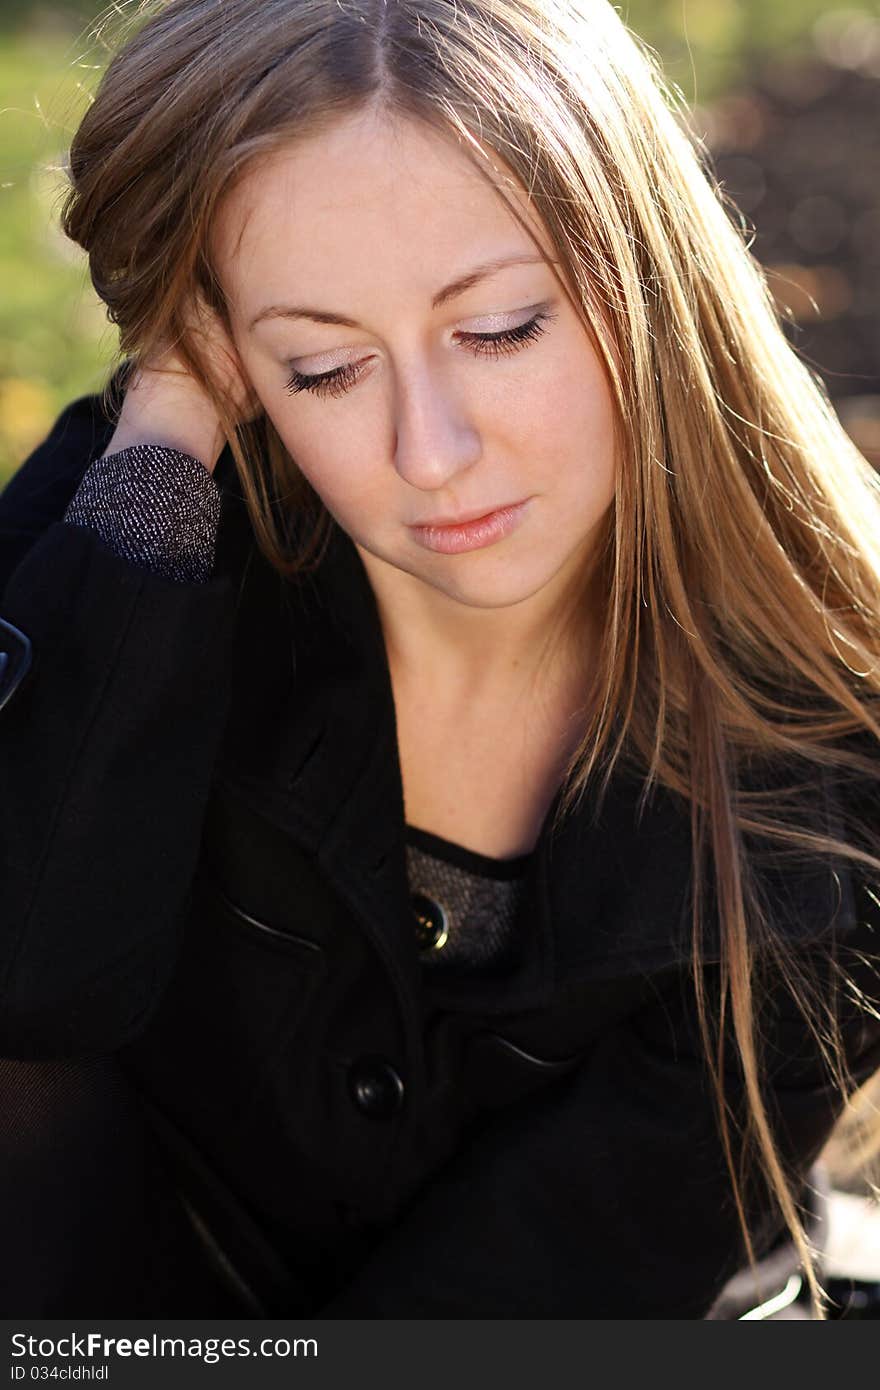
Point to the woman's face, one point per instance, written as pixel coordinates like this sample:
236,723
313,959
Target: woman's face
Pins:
333,254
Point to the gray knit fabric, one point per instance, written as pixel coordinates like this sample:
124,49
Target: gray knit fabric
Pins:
158,508
481,913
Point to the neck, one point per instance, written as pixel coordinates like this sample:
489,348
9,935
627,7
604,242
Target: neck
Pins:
455,649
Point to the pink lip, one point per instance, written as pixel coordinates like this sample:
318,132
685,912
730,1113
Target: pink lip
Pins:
450,538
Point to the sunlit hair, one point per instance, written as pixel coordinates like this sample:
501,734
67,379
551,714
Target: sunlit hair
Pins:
740,566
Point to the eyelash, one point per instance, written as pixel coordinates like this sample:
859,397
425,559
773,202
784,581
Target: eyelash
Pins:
338,381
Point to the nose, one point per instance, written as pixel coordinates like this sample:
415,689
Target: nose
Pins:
436,438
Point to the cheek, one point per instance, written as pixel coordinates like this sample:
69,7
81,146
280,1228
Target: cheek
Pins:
324,453
562,392
351,491
332,481
575,423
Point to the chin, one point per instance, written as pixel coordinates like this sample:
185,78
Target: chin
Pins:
487,590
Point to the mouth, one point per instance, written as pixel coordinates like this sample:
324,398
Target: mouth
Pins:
464,518
471,531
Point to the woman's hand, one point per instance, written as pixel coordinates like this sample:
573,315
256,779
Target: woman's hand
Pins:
164,404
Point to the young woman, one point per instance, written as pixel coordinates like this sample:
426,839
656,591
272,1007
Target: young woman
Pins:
440,728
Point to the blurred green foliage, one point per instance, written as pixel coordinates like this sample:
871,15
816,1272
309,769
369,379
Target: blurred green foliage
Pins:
54,340
709,45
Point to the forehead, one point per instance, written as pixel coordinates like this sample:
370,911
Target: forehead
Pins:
396,202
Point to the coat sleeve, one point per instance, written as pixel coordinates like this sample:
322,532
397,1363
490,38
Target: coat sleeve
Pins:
609,1197
106,754
156,507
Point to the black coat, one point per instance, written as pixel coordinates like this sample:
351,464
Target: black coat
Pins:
203,868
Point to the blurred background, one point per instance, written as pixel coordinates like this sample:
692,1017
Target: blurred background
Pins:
785,93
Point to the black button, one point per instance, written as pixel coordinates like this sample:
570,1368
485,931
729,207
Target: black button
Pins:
432,924
375,1087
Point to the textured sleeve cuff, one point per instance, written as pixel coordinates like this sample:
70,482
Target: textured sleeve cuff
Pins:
158,508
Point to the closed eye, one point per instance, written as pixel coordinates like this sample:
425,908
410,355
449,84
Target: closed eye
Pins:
338,381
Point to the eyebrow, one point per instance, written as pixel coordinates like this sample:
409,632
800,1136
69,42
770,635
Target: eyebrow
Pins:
449,292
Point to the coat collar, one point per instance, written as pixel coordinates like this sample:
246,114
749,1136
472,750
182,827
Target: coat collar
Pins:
312,746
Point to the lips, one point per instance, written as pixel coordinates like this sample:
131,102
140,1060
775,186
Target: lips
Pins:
464,517
480,530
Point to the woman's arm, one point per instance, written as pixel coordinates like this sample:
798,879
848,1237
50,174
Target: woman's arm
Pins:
151,496
609,1196
106,748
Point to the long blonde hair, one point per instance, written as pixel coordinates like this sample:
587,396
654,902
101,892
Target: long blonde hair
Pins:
741,558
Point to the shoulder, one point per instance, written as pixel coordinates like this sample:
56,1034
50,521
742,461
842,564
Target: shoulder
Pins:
38,493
